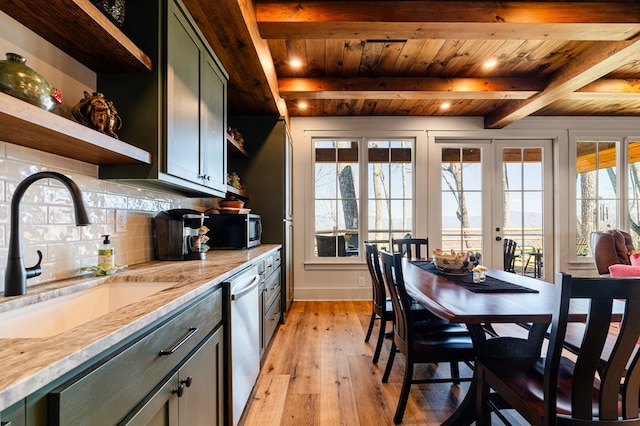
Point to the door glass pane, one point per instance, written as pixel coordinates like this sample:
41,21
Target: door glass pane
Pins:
461,197
522,205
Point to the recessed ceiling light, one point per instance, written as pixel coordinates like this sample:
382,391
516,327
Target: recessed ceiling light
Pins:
490,63
445,105
302,105
296,63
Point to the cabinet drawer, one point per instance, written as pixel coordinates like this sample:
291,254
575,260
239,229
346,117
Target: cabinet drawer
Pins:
106,392
268,265
271,290
270,322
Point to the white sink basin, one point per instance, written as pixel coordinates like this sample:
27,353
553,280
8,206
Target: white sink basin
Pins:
54,316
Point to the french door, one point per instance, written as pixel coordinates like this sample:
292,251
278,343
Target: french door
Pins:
492,190
523,210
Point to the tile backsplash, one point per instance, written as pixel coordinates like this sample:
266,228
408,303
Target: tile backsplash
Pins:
48,221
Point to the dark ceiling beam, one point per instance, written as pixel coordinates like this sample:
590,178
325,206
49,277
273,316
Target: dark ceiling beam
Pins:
441,19
593,63
409,88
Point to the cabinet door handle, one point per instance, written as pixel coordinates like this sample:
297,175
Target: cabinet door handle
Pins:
183,383
192,331
179,391
187,381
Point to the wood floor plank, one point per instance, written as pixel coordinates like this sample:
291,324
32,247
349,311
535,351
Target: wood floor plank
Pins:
300,409
337,398
319,372
305,351
267,402
373,406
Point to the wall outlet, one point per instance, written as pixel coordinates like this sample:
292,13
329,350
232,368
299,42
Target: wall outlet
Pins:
121,221
361,282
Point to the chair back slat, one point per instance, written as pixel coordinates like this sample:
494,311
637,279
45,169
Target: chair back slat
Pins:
587,363
621,366
510,247
377,282
394,278
413,248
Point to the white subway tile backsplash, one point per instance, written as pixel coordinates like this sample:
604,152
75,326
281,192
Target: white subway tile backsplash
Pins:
61,215
33,214
142,204
48,219
114,201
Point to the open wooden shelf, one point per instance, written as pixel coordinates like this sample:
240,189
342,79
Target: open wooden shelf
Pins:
232,190
24,124
81,30
235,149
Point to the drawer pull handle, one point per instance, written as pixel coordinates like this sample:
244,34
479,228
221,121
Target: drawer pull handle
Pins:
192,331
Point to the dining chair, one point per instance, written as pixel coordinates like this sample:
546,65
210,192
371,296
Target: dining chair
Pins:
420,344
510,247
557,390
382,307
413,248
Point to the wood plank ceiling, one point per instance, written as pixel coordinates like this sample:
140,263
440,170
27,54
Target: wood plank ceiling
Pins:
427,58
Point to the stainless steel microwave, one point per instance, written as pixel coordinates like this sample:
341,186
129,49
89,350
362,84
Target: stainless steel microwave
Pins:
234,231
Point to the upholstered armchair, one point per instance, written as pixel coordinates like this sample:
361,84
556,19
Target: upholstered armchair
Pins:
611,247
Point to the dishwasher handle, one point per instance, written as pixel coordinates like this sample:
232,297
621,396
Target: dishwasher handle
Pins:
244,287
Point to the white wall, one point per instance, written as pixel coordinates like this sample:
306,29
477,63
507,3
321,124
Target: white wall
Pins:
46,215
317,280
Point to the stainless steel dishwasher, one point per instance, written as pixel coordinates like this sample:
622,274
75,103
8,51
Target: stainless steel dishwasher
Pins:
245,337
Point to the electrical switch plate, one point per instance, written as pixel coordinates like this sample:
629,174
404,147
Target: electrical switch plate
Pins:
121,221
360,281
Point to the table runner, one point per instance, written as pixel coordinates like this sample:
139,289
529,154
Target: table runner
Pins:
491,285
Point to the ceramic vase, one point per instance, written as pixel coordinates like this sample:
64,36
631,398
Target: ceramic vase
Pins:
20,81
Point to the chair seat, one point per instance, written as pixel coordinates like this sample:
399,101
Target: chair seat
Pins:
528,384
442,341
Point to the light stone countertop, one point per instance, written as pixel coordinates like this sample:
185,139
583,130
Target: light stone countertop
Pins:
28,364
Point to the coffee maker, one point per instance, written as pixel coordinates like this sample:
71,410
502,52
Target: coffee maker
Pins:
179,234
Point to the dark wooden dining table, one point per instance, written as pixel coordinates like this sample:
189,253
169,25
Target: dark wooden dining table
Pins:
478,310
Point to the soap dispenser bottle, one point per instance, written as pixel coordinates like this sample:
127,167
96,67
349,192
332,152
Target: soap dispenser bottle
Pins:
106,254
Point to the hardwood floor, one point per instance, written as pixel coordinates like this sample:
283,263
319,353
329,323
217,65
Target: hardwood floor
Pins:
319,372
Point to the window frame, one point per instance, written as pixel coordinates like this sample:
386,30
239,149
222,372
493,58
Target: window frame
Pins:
622,213
418,139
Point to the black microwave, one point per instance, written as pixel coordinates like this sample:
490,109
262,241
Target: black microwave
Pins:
234,231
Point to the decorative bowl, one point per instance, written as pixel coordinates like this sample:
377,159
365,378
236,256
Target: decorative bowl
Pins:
452,263
234,204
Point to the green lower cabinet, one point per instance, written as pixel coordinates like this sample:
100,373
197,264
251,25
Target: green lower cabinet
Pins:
14,415
193,395
171,372
161,408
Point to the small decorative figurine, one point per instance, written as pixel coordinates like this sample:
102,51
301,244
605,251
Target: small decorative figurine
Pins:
96,112
114,9
234,180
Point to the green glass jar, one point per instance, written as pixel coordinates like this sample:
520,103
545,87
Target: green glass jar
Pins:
20,81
